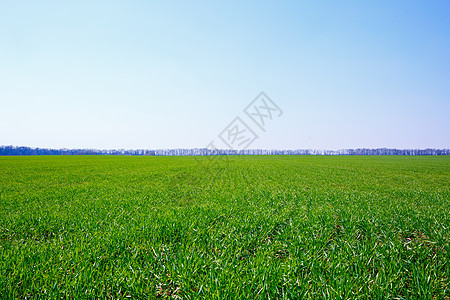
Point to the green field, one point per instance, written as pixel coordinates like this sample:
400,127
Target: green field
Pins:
241,227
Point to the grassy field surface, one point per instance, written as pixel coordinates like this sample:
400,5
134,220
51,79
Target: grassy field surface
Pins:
241,227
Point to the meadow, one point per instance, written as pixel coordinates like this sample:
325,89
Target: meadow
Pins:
237,227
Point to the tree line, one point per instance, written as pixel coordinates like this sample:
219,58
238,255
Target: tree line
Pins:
14,150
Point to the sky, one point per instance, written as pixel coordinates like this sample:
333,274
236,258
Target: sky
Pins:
176,74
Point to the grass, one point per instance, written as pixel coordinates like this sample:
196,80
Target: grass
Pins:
247,227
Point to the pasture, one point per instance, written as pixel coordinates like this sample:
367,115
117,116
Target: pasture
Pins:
237,227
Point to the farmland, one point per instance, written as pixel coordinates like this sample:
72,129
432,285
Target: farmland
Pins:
238,227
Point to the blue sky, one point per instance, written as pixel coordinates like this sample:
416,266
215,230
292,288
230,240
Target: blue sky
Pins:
172,74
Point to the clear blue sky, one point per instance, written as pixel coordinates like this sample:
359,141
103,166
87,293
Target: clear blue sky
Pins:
174,74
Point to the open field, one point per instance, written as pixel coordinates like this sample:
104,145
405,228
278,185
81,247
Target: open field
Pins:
292,227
